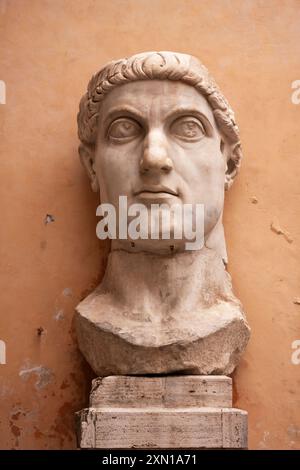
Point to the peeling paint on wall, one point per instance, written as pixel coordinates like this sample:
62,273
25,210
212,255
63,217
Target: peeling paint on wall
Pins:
59,315
2,352
44,375
67,292
294,432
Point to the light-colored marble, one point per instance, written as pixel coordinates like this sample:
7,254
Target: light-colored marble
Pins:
156,129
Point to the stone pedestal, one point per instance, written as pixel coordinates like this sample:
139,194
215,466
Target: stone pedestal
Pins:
169,412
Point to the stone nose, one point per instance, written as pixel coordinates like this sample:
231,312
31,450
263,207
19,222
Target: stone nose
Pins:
156,153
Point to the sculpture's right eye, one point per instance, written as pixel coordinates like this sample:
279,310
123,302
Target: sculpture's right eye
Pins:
123,129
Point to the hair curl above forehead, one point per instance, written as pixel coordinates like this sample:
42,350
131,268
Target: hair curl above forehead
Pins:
160,66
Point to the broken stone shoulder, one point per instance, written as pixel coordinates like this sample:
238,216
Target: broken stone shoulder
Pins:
155,314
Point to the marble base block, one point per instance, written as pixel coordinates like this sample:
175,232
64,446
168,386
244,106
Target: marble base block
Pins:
169,412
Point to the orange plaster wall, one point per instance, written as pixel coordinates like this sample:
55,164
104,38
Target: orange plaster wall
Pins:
49,49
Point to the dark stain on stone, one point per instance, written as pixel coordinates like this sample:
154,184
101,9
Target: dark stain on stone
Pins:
15,416
38,434
15,430
40,330
64,423
65,384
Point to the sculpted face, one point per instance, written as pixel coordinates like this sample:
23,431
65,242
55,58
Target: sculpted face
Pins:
158,143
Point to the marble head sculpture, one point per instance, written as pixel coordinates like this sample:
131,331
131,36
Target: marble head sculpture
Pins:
156,128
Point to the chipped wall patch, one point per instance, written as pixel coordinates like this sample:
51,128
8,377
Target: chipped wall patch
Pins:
2,92
295,98
67,292
44,375
275,227
6,391
294,432
263,443
48,219
2,352
59,315
295,358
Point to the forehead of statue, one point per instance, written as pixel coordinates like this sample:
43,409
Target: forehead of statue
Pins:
154,99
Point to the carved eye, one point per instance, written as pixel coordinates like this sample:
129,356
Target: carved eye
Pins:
188,128
124,129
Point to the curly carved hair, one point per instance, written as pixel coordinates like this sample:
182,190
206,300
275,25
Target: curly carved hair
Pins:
160,66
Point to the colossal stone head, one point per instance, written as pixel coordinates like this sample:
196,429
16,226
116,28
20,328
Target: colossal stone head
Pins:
156,128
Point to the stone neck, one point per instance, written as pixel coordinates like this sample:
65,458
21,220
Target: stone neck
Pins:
152,283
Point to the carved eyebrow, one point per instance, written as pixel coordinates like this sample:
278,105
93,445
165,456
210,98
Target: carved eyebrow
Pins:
126,111
183,111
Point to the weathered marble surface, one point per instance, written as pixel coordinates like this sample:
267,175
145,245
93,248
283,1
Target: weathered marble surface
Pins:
196,326
156,128
162,412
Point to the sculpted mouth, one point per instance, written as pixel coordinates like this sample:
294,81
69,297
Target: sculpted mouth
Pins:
155,191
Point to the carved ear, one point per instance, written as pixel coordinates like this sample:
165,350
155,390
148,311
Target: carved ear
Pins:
87,158
232,154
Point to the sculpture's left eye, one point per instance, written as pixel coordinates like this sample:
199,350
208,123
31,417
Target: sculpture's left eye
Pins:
124,129
188,128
